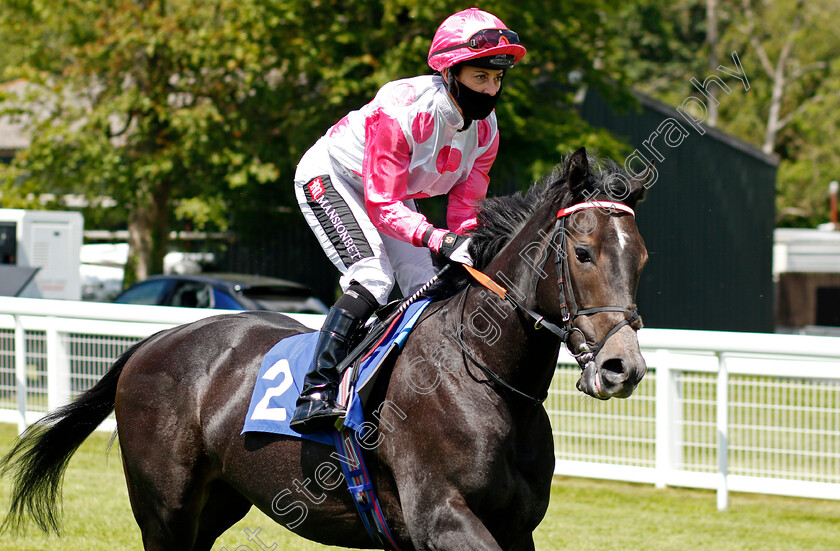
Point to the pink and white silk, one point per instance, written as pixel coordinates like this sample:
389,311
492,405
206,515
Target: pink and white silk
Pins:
408,144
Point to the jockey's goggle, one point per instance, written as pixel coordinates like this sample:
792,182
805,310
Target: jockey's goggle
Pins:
483,39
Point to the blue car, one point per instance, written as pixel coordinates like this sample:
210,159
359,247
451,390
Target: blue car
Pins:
224,291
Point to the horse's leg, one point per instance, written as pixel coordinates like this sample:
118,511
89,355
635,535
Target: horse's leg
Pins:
167,470
166,500
189,514
438,522
525,544
224,508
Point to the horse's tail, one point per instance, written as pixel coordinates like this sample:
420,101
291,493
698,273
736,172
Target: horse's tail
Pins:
40,456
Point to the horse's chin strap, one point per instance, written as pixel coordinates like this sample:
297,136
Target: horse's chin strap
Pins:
587,355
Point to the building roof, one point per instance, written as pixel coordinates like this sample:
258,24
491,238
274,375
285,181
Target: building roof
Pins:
806,250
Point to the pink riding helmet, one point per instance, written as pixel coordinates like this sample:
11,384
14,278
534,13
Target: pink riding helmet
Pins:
452,42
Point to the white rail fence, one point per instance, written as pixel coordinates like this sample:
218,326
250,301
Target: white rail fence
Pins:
718,410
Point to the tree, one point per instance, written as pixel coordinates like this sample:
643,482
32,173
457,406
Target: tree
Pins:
663,43
197,110
782,35
788,49
148,106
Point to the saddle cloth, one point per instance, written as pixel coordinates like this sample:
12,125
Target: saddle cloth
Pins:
284,368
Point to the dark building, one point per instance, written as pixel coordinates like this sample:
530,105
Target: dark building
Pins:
707,222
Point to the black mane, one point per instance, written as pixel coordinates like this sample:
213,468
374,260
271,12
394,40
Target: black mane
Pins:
501,218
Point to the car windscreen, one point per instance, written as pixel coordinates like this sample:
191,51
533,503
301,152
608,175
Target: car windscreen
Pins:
191,294
147,292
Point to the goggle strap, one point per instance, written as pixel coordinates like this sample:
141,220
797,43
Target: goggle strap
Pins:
507,33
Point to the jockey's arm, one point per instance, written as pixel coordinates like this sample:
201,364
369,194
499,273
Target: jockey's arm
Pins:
460,211
385,176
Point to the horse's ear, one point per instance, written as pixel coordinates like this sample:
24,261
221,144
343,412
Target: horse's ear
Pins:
576,173
640,184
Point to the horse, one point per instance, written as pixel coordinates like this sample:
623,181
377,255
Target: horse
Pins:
462,453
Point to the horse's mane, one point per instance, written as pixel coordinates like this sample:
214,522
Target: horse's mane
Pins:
501,218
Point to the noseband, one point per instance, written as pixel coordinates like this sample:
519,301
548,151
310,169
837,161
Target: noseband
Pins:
569,310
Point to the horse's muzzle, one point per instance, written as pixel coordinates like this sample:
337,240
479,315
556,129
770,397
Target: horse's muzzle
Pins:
616,371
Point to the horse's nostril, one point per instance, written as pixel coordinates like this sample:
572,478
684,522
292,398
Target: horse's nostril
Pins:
614,366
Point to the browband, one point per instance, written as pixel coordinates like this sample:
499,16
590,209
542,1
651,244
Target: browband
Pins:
604,205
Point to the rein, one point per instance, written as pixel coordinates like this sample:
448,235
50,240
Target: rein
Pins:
568,305
487,371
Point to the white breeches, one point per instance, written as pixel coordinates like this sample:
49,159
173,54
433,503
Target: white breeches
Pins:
334,207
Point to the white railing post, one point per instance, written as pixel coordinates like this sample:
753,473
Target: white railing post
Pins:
58,369
663,411
668,419
722,411
20,373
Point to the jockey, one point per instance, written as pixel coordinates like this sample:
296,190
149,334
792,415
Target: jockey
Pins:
419,137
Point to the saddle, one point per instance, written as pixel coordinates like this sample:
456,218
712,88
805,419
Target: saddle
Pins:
284,368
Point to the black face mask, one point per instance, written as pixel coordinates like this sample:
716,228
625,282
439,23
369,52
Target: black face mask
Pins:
474,105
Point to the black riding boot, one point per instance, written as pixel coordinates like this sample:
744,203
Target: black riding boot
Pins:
316,407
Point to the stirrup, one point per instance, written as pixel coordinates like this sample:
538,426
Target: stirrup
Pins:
316,412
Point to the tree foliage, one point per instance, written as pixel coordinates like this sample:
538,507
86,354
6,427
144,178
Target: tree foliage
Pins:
788,49
793,48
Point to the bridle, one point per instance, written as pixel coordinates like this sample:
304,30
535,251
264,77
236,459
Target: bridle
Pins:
569,309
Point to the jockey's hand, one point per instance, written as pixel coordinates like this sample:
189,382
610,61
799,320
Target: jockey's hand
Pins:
451,245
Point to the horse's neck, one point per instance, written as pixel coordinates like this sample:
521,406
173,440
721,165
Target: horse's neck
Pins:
507,340
521,265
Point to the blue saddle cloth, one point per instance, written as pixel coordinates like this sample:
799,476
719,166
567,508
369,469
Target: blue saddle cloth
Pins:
284,368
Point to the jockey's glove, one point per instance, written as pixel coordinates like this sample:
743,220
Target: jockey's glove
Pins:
449,244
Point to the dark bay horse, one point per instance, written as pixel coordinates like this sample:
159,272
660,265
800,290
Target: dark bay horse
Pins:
461,454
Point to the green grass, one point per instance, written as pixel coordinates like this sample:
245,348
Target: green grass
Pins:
584,515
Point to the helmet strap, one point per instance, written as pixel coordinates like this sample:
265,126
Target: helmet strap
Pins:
453,85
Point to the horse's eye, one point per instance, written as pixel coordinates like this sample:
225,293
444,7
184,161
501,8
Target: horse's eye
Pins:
582,255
